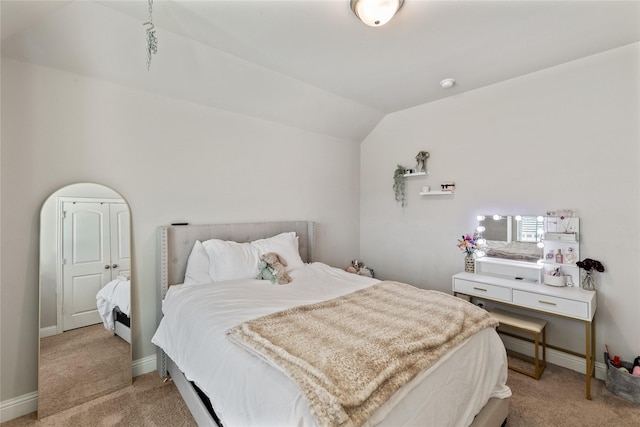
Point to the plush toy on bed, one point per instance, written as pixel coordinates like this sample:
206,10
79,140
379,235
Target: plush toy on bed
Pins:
272,267
358,267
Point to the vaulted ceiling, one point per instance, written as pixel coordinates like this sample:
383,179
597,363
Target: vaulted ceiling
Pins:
312,64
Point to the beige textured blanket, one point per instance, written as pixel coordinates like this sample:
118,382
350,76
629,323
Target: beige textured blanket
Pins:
350,354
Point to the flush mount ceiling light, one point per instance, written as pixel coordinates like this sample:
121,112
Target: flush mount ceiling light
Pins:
375,13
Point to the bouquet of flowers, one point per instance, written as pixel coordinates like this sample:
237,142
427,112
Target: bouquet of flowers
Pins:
589,279
468,244
590,264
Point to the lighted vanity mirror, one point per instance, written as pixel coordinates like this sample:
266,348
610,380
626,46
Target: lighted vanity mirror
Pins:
85,288
515,237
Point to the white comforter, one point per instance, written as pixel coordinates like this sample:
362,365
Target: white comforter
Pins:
247,391
114,294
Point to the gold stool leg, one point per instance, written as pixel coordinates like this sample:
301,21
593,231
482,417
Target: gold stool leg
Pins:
536,360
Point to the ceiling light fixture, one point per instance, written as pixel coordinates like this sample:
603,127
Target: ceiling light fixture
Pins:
447,83
375,13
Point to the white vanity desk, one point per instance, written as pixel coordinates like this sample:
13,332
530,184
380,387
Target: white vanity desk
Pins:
567,302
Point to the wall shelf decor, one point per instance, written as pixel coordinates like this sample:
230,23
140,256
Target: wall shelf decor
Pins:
406,175
561,242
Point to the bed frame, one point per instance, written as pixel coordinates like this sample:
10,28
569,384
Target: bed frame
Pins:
174,247
121,325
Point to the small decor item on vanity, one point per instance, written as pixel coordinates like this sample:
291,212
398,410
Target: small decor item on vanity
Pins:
469,246
469,264
570,258
589,267
555,277
559,257
421,161
398,185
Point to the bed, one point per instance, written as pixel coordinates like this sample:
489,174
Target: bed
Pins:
225,383
113,302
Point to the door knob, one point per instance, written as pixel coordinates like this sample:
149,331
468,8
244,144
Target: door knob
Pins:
106,267
114,266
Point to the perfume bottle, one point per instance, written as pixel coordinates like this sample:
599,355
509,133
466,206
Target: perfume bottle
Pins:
570,258
559,257
550,255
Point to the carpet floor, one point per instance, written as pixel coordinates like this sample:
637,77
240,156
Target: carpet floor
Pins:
80,365
556,400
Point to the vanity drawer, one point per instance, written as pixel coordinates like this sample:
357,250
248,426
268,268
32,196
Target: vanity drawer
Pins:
498,293
566,307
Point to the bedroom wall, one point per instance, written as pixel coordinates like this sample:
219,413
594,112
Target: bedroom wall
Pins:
564,137
171,161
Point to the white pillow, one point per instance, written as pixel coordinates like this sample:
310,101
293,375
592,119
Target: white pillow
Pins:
231,260
285,244
197,267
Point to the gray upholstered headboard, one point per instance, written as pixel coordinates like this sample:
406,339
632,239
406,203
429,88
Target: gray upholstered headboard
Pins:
175,243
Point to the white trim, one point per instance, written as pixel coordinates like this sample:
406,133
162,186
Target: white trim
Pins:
18,406
48,331
143,366
28,403
555,357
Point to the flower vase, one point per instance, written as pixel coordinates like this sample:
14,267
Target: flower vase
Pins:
588,280
469,264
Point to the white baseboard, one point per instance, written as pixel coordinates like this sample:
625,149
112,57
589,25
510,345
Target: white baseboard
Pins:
144,365
28,403
18,406
48,331
555,357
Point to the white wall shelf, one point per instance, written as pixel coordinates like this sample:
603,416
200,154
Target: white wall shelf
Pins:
562,234
406,175
437,193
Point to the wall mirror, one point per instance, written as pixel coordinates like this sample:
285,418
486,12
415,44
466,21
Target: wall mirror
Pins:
516,237
85,288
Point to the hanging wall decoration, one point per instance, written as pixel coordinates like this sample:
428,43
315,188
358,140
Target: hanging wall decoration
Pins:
398,185
152,40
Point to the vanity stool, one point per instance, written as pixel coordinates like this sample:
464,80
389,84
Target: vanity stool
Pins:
527,325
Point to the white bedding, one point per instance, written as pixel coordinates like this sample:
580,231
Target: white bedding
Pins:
114,294
247,391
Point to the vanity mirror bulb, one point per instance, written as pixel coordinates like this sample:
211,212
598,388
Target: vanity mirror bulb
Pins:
480,218
480,229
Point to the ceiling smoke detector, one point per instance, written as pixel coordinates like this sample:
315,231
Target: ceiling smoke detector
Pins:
447,83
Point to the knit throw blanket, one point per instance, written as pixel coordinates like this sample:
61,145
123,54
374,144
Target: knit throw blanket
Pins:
350,354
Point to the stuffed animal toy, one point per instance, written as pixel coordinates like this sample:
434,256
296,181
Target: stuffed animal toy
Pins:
358,267
272,267
265,272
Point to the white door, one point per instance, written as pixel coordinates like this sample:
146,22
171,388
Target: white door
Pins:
86,261
120,239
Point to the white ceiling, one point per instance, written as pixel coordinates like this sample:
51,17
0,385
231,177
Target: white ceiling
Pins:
301,49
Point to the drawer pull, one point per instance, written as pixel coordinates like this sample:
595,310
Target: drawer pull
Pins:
480,289
546,302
